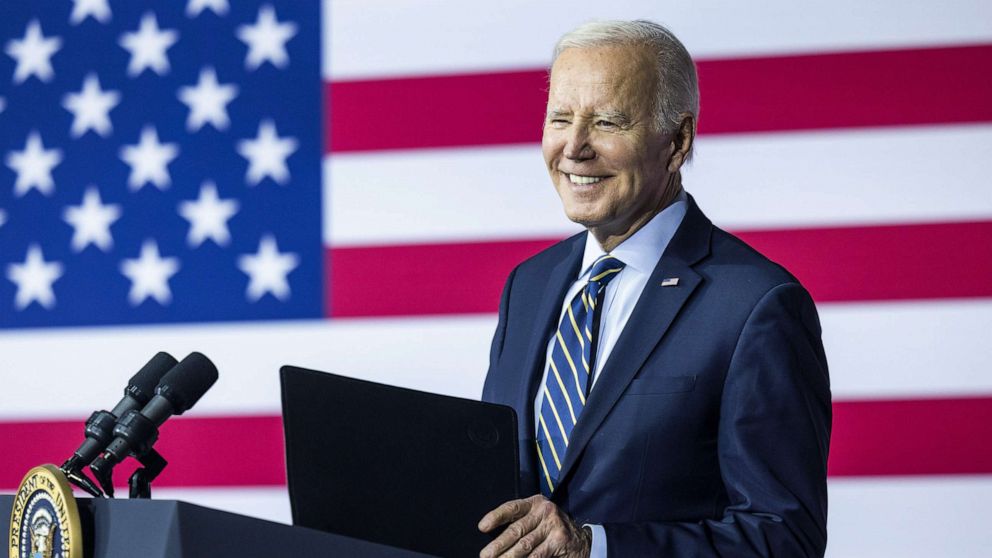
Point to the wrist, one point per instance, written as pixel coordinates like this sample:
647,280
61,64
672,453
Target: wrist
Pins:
586,536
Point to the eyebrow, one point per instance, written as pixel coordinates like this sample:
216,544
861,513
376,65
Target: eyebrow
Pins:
614,115
619,117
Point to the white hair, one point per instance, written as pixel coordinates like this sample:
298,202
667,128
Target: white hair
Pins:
678,86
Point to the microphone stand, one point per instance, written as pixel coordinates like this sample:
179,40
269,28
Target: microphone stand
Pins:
141,434
140,483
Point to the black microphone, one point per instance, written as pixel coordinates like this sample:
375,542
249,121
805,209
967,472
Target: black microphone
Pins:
100,425
137,431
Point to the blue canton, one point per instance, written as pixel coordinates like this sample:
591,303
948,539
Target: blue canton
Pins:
160,162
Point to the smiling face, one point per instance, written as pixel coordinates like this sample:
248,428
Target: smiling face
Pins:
611,166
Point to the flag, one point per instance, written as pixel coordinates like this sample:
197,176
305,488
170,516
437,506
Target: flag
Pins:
853,150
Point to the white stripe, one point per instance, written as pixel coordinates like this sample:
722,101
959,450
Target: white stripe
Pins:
742,181
885,175
908,349
909,517
440,195
890,350
386,37
70,372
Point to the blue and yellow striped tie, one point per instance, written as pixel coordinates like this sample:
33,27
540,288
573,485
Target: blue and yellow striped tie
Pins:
569,372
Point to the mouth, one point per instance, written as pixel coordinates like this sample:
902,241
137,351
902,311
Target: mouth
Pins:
583,180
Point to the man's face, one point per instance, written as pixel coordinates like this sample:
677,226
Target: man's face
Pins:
605,156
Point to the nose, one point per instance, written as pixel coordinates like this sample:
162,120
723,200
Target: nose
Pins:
577,147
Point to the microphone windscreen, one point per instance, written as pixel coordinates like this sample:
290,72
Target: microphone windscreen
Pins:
186,383
142,385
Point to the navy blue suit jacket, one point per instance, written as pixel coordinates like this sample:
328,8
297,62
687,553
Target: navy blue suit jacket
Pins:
707,432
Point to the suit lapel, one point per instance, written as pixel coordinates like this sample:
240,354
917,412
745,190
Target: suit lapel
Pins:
545,320
656,310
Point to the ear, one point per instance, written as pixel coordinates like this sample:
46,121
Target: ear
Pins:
682,141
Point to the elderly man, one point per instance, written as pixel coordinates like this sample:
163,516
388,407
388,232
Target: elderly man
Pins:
670,381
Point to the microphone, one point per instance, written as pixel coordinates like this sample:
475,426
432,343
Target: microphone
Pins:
100,425
137,431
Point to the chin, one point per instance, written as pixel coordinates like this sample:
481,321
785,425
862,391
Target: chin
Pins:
585,209
584,218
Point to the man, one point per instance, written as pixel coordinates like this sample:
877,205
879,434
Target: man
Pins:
670,381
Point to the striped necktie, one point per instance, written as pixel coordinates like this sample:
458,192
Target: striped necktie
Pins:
569,371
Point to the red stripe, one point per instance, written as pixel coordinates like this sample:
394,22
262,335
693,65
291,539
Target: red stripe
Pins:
854,89
834,90
220,451
417,279
912,437
441,111
895,262
870,438
841,264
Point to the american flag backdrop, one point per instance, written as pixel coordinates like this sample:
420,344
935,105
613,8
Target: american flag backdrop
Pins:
279,183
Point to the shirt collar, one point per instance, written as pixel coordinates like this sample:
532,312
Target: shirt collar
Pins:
644,248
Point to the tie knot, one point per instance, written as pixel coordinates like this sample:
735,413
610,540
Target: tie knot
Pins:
604,270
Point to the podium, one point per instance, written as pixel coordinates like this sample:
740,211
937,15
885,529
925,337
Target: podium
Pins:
171,529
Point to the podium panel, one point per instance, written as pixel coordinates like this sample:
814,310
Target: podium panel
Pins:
171,529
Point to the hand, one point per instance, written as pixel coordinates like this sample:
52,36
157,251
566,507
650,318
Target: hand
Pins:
537,528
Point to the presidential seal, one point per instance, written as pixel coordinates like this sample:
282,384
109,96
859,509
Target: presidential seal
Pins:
44,522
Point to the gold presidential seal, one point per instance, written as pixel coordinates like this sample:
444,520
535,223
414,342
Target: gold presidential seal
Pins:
44,522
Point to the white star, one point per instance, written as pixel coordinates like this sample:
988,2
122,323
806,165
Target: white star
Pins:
208,216
195,7
3,217
81,9
267,270
266,39
148,160
34,279
267,154
91,108
149,275
3,104
92,221
207,101
33,53
148,45
34,166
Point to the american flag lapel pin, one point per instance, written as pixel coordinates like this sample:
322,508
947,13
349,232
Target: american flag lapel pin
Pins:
670,282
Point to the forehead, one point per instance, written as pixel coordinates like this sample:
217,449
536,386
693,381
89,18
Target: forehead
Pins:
619,76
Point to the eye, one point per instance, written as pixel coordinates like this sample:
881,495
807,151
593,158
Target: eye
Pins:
606,124
558,122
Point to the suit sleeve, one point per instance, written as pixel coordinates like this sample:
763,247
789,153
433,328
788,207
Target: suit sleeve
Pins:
774,434
496,348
